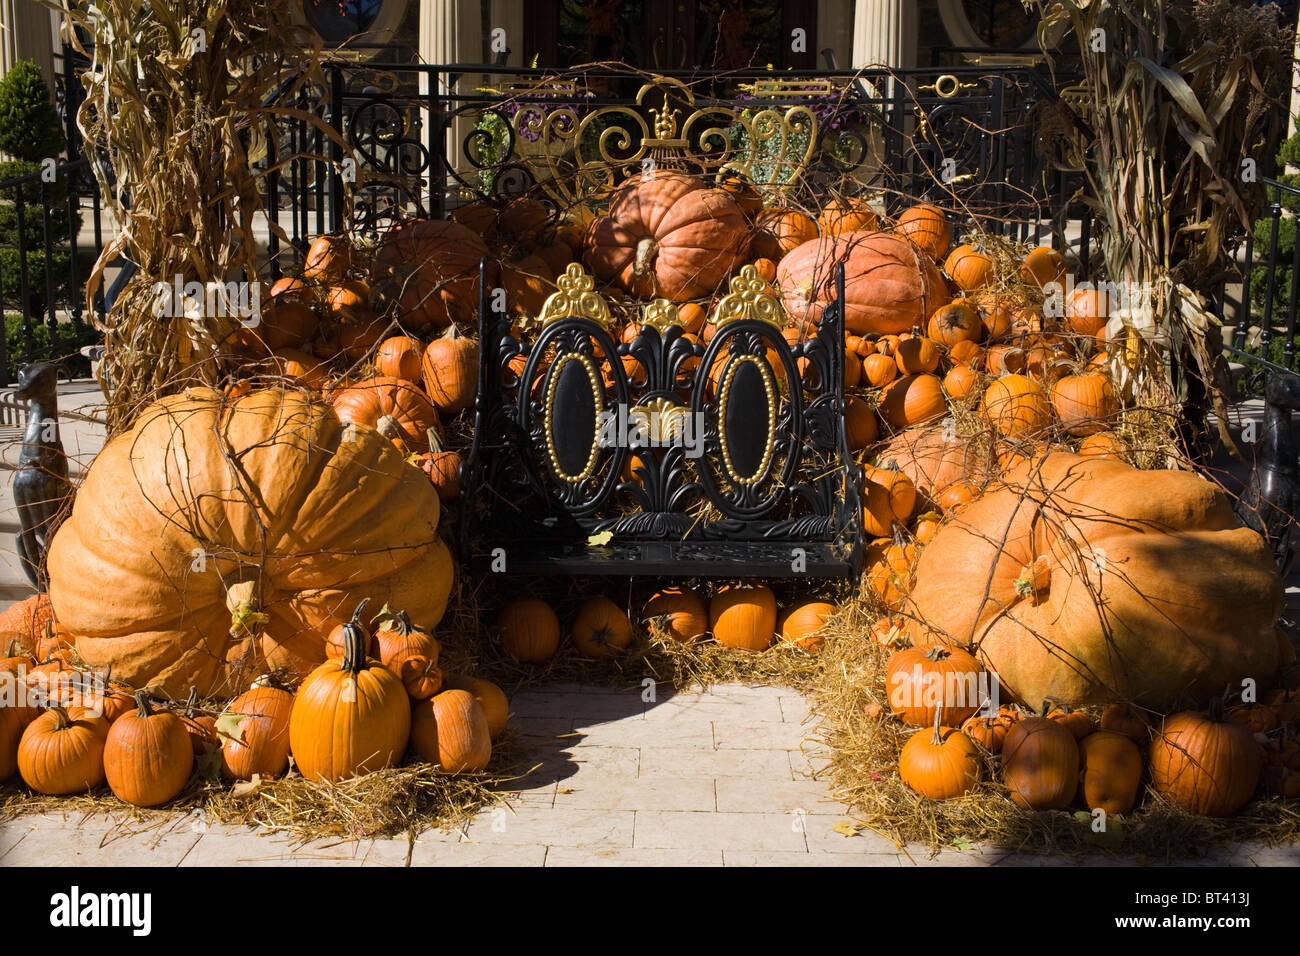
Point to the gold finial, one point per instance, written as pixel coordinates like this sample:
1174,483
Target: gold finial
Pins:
751,297
665,122
661,314
575,298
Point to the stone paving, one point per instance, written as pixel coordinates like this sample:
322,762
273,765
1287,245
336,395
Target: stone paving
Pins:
721,778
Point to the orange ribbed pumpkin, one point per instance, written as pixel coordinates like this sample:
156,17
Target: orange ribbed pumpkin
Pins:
430,267
802,624
1016,406
672,236
1086,403
889,285
530,631
849,214
927,228
888,497
912,400
970,269
450,371
394,407
777,231
451,730
680,612
399,357
743,617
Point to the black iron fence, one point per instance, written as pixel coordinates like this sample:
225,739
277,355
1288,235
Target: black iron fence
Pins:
1264,335
44,263
418,140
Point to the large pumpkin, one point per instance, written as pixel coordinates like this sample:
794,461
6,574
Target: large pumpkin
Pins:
1206,763
430,267
672,236
202,518
889,285
935,458
1150,590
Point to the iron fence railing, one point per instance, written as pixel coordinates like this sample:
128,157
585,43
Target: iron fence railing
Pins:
44,262
427,137
1264,334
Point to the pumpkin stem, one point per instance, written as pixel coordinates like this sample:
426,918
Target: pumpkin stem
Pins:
1215,710
937,740
937,653
435,441
646,249
142,704
241,601
402,624
354,641
61,719
191,701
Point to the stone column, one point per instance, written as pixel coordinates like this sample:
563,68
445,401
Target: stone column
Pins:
451,31
884,33
26,33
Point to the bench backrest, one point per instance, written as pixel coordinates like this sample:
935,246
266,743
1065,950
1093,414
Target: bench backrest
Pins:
735,452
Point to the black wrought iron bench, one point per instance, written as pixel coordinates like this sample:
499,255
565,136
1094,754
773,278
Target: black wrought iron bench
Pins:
663,455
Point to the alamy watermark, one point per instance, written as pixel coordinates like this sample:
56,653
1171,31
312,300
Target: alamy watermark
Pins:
239,300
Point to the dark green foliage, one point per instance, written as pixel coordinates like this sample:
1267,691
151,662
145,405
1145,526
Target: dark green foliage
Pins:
64,348
66,292
55,193
1288,153
29,125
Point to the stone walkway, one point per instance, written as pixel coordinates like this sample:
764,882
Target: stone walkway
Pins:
726,778
698,779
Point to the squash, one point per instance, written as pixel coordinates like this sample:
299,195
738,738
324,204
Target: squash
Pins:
679,613
889,571
451,730
1042,266
1087,312
529,282
889,285
1085,403
1040,764
24,622
922,680
934,458
1114,621
1016,407
777,231
293,518
399,357
913,400
888,497
410,653
147,755
441,467
62,751
969,269
1206,763
1111,772
989,732
601,629
329,258
672,236
927,228
430,268
349,717
743,616
940,763
847,214
803,624
1124,718
879,370
255,733
917,356
529,629
450,371
493,700
859,423
1104,444
394,407
958,321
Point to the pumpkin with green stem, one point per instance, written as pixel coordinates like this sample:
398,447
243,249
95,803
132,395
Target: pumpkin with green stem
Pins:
350,716
920,680
411,653
941,763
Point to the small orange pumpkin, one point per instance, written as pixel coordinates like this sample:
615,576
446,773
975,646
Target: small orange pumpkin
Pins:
601,629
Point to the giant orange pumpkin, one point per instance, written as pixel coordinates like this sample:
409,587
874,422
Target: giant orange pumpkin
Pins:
261,515
1151,588
935,458
430,267
889,285
673,237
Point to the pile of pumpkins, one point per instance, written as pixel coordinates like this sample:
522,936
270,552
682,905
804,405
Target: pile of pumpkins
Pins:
379,693
1208,762
744,616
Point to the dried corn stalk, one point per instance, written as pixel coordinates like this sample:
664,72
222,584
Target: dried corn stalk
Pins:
173,86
